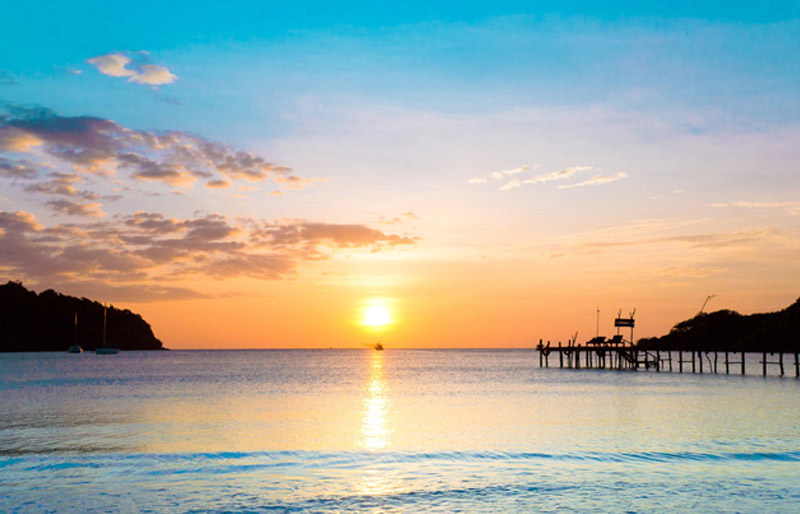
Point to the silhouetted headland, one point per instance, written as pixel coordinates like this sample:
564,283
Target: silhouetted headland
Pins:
728,330
45,322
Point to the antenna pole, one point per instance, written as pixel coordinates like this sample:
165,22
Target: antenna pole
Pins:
598,322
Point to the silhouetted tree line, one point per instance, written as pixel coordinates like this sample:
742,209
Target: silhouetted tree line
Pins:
729,330
45,322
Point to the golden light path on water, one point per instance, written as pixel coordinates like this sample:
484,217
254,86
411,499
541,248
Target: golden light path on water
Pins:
375,428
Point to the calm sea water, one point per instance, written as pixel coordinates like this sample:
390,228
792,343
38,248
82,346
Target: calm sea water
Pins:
393,431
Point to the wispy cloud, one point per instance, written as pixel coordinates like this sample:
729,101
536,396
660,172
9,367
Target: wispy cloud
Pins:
710,240
596,180
499,174
792,208
520,180
142,72
396,220
546,177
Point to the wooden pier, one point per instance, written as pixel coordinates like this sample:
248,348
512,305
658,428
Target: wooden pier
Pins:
614,353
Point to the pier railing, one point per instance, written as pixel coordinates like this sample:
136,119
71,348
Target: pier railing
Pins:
631,357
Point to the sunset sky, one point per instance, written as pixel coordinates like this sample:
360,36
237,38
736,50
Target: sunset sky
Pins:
304,174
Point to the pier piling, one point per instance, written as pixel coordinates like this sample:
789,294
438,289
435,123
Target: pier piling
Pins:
631,357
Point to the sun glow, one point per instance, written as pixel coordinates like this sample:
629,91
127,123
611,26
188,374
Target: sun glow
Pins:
376,314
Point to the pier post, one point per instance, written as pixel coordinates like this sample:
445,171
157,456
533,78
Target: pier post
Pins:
658,360
693,365
727,368
700,360
669,353
764,363
560,356
715,363
680,361
578,358
780,361
743,354
796,367
540,355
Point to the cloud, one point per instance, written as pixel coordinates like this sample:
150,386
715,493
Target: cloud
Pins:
22,169
62,184
507,173
146,247
519,181
149,169
547,177
402,218
556,175
713,240
19,222
103,147
218,184
15,140
499,174
693,271
116,65
70,208
73,165
308,235
596,180
792,208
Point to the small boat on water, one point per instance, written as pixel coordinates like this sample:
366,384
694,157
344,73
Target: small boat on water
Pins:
379,346
75,349
105,350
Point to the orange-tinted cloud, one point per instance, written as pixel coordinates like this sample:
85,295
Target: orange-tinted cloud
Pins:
146,246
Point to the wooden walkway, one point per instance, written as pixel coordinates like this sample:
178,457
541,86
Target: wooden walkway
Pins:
627,357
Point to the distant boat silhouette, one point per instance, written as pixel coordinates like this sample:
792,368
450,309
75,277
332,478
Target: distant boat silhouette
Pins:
379,346
75,348
105,350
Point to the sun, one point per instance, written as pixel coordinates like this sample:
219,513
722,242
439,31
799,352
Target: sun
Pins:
376,314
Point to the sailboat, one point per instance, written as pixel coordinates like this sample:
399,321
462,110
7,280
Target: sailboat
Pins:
105,350
75,348
378,346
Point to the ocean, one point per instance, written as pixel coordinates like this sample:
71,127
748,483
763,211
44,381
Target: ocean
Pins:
392,431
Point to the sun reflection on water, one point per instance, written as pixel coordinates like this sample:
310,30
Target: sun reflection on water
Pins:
375,428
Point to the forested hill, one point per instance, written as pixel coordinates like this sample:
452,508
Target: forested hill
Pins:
44,322
729,330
